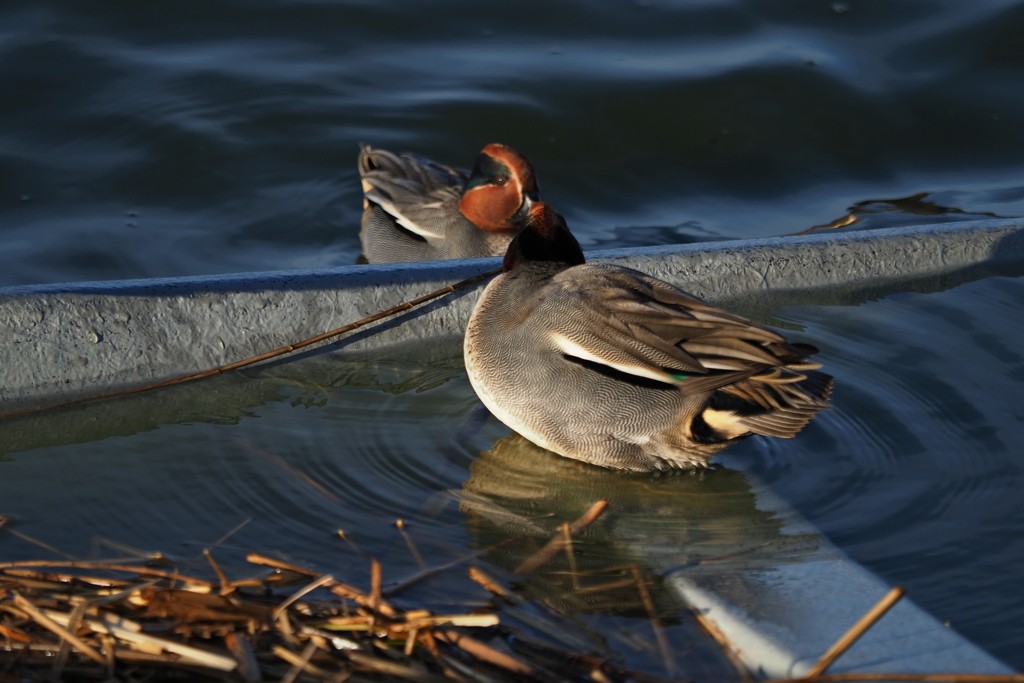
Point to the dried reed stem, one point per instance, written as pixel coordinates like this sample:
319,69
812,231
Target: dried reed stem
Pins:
492,586
302,663
570,555
484,652
557,543
659,633
50,625
727,646
337,587
297,661
400,525
426,574
225,585
375,581
100,564
859,629
297,595
231,533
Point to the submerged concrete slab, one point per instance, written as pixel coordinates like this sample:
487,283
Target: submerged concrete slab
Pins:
781,618
66,341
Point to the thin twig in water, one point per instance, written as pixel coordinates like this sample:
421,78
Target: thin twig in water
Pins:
570,555
337,587
400,524
858,629
343,536
225,585
231,533
557,543
433,571
493,586
41,544
659,633
297,595
727,646
375,579
485,652
101,564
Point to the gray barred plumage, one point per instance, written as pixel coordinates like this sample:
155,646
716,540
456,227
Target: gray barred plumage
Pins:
610,366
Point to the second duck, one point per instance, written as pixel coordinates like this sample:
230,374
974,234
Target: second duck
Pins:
415,209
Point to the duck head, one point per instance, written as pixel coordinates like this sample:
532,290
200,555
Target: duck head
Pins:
543,236
501,188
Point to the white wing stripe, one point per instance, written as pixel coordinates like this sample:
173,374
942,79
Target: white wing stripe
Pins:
571,348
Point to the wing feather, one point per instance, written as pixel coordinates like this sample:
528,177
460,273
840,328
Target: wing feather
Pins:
644,327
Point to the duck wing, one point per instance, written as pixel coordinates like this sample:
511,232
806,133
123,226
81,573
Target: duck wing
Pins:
635,324
410,188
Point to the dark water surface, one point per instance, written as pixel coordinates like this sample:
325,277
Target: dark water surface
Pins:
151,139
162,139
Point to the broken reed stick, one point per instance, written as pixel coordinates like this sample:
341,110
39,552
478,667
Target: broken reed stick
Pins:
570,554
74,622
245,362
49,624
492,586
433,571
858,629
659,633
231,533
298,595
225,585
400,525
557,543
297,661
41,544
100,564
728,647
484,652
300,665
375,581
335,586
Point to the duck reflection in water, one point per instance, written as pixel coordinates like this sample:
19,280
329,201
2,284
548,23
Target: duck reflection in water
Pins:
700,520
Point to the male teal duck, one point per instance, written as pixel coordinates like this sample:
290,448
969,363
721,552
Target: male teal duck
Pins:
415,209
610,366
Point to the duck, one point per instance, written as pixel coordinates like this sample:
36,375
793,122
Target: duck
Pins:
610,366
416,209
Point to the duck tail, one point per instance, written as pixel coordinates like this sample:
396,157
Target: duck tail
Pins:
782,405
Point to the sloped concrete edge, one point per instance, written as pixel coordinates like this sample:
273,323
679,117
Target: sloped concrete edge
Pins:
65,341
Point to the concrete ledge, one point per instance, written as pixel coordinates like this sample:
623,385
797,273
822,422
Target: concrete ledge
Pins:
66,341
